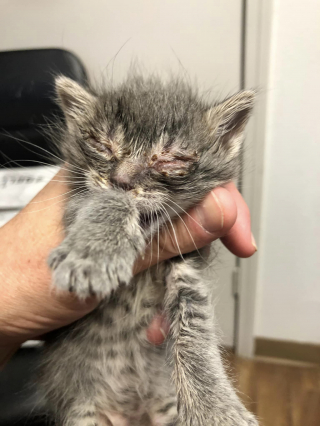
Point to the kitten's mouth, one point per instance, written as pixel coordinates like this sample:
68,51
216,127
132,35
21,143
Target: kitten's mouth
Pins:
148,219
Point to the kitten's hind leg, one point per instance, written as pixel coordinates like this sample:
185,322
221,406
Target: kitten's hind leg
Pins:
205,395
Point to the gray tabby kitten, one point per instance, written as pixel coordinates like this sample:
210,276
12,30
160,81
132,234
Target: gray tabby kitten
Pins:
144,152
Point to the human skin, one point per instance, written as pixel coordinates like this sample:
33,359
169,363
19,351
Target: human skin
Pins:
30,307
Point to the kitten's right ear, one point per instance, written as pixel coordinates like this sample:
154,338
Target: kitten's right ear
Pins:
74,100
226,121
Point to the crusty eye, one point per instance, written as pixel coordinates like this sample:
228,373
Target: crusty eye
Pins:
173,163
101,147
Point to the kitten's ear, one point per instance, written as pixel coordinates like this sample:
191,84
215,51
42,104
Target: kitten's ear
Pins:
227,120
74,100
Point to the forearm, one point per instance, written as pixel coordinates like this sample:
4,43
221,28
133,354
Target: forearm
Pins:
25,291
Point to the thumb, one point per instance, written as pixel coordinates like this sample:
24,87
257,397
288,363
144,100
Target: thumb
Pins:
208,221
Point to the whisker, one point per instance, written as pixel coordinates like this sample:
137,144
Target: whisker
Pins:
51,155
73,182
38,162
168,231
10,160
185,225
151,232
53,204
185,212
7,134
158,236
57,196
174,232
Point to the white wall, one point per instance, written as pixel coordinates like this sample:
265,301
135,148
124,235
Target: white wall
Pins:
288,304
205,35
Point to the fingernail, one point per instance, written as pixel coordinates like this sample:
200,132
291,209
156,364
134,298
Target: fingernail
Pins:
253,242
210,213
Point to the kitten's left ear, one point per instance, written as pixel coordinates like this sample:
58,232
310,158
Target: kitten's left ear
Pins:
74,99
227,120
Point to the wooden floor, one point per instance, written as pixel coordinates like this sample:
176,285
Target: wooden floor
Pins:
279,394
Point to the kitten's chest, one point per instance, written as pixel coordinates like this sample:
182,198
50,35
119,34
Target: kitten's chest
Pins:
130,309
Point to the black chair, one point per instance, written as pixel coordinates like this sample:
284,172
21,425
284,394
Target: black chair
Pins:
26,104
27,101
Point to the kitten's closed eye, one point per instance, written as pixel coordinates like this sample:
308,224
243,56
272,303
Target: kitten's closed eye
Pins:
173,163
102,147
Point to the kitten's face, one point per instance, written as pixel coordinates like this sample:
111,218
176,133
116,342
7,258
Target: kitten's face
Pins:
160,143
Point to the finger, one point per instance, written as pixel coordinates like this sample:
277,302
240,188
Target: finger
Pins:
239,239
211,219
30,307
208,221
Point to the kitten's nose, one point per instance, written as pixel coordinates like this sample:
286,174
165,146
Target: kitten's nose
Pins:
122,181
126,174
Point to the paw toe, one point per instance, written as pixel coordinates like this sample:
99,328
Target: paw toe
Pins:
56,257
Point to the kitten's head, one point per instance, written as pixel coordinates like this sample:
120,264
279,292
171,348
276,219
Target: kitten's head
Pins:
158,141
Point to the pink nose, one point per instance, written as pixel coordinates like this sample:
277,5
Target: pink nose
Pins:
122,180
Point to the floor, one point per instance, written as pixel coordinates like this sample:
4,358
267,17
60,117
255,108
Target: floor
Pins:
279,394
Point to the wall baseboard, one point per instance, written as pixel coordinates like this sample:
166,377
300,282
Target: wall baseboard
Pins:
283,349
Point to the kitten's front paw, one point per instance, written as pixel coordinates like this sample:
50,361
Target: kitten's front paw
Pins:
89,275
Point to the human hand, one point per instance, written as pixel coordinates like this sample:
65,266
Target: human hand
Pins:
30,308
222,214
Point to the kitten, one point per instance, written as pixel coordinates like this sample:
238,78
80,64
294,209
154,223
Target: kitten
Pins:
138,155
